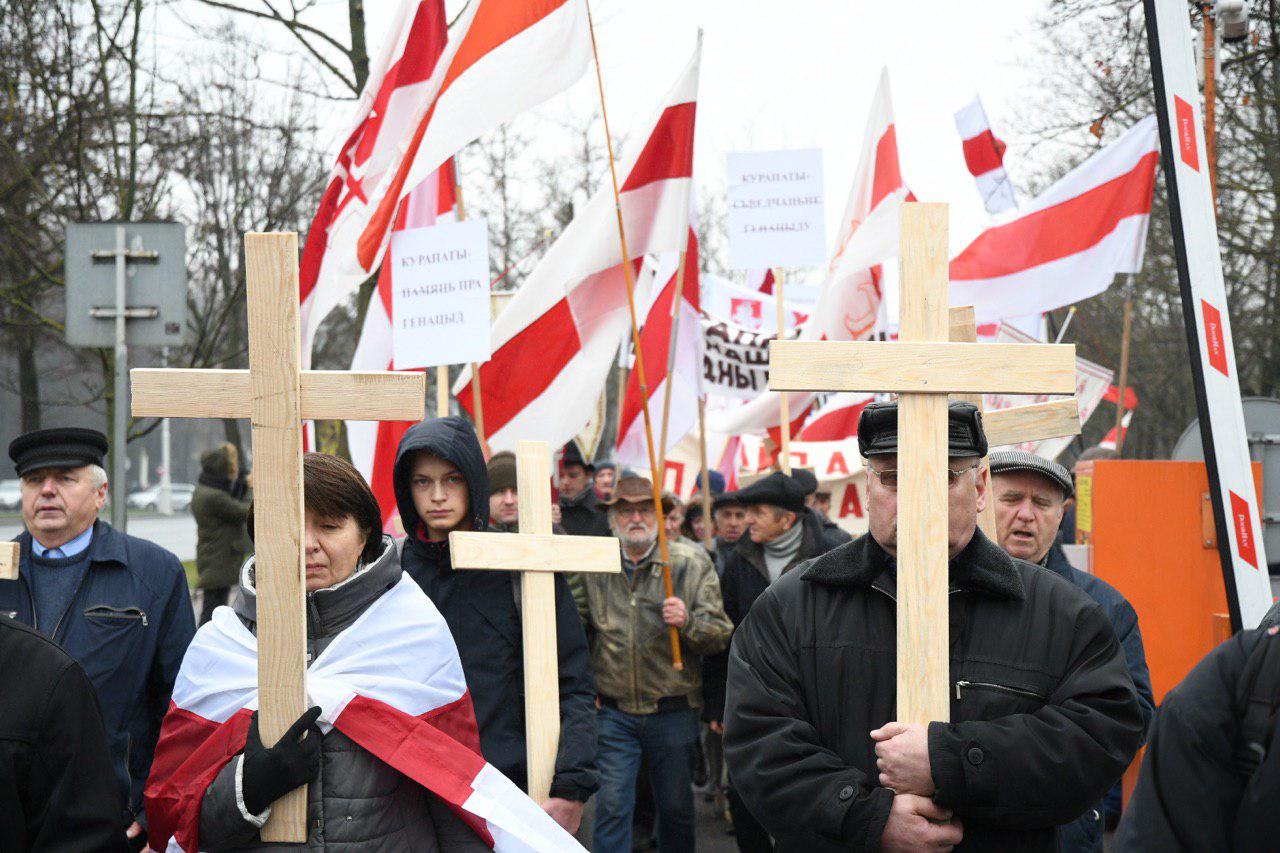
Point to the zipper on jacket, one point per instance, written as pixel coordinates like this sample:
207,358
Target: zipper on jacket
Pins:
106,611
1000,688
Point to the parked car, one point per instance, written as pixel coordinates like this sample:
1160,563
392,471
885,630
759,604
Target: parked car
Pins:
179,497
10,494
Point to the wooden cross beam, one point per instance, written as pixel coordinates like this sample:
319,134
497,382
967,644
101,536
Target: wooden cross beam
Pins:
9,555
277,394
923,368
1035,422
537,554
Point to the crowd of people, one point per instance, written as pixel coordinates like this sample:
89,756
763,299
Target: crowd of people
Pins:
783,711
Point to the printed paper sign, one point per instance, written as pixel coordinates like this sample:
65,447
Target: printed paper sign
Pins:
735,361
440,294
775,209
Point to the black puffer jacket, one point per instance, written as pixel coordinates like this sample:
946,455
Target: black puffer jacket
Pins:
582,515
483,613
356,803
1044,714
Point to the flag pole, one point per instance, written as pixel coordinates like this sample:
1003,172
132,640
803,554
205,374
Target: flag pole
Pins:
477,394
677,661
1124,364
784,403
708,537
671,362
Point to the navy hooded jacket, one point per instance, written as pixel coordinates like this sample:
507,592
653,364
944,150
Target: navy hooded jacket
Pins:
482,610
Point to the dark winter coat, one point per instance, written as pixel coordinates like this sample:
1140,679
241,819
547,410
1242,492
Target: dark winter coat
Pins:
483,613
220,506
582,515
1084,835
129,624
743,577
356,802
1044,714
58,789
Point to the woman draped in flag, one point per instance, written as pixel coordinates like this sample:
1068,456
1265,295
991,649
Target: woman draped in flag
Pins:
390,751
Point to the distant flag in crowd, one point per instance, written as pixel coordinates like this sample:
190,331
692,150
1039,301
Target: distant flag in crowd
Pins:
1110,440
426,99
1130,396
836,417
984,155
849,302
761,280
555,341
683,369
373,444
1071,241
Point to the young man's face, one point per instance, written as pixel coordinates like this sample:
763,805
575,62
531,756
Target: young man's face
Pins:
440,496
58,504
574,479
730,521
966,497
504,506
1029,509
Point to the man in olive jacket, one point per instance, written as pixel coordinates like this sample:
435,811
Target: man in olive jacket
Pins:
1044,715
220,505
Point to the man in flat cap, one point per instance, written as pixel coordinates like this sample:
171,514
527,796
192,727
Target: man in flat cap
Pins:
117,604
648,708
1043,713
1030,494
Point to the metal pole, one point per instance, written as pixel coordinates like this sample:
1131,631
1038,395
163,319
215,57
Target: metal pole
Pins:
166,479
120,414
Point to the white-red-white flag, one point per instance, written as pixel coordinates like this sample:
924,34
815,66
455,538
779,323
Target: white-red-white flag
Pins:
373,444
849,302
555,341
1071,241
836,417
1109,441
984,155
681,368
392,682
424,101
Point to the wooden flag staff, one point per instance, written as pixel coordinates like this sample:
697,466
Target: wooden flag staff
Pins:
784,402
629,275
708,537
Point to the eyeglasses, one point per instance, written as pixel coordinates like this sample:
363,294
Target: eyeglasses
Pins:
643,510
889,477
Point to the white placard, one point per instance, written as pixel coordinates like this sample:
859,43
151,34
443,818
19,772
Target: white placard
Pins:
440,294
775,209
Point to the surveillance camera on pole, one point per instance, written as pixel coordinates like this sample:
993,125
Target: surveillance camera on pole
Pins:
1233,19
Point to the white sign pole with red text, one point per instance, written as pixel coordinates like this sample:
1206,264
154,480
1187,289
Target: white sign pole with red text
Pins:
1204,308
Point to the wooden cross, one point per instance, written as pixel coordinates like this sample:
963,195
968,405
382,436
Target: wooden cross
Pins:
923,368
278,395
9,554
537,554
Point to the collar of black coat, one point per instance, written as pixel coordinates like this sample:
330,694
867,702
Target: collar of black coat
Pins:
982,567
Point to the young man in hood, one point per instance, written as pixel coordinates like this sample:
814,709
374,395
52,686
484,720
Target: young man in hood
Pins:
442,485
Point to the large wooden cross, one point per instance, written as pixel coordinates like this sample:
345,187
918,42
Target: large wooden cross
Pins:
537,554
923,368
278,395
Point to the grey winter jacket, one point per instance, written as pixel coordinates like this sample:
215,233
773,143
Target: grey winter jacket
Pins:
356,802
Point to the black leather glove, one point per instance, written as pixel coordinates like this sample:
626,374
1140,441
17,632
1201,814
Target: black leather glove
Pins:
272,772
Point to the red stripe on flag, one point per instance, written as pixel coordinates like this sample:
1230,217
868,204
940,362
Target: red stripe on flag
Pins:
983,152
1067,228
888,172
668,153
834,426
524,366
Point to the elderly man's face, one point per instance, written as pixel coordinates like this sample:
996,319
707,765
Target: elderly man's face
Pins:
730,522
966,497
1029,509
766,522
58,504
635,524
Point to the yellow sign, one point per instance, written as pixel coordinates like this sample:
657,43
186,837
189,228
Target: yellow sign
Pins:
1084,504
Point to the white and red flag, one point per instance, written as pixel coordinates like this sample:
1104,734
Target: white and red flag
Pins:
1071,241
424,101
392,682
849,303
373,444
555,341
836,417
984,155
681,367
1109,441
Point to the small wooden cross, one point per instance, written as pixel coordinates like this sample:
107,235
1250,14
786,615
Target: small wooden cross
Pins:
278,395
537,554
923,368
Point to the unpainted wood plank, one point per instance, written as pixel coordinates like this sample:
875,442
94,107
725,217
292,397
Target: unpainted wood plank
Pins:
536,552
271,263
1035,422
924,260
964,329
538,619
336,394
922,367
10,554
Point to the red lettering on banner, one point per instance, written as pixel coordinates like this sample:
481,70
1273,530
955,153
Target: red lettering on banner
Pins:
676,468
1186,133
1243,518
1215,344
850,504
837,465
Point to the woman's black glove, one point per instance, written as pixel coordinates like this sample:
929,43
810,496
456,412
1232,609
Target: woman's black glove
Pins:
272,772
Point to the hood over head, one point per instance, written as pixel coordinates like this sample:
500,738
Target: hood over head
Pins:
217,461
452,438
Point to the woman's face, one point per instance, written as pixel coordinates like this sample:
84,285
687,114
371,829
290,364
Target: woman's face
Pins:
333,547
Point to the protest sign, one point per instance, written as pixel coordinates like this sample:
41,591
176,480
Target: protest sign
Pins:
735,361
440,294
775,209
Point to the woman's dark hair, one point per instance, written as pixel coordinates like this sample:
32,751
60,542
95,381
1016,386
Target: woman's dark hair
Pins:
333,489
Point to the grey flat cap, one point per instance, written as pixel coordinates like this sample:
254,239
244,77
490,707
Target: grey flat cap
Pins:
1020,460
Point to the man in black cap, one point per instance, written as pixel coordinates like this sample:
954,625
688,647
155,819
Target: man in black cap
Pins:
580,510
1030,494
1043,713
117,604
